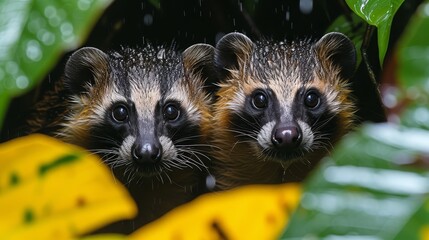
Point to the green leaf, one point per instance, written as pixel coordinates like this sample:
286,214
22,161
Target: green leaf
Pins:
408,96
34,34
413,54
370,188
378,13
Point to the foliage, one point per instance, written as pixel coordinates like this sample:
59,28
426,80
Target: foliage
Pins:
47,192
373,185
33,35
253,212
380,14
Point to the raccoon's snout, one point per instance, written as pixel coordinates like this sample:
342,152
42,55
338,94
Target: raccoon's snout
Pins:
147,152
286,136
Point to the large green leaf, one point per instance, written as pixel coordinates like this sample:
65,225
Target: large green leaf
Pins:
371,187
378,13
33,34
414,51
376,184
408,93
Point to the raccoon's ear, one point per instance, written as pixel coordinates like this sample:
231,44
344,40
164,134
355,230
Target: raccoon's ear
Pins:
84,68
232,52
198,58
340,50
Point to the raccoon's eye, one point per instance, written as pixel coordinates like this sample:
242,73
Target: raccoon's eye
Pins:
120,113
259,100
171,112
312,100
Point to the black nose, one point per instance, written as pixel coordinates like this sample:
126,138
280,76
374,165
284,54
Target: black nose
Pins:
148,152
286,137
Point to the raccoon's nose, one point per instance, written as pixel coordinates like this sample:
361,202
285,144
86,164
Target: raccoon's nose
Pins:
286,137
147,153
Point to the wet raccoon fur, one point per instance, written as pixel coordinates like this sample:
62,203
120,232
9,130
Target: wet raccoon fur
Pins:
143,111
280,106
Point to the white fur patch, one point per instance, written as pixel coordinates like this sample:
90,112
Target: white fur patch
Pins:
126,146
169,151
264,136
307,135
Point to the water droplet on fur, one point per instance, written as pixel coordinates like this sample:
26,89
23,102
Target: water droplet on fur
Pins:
210,182
287,15
161,54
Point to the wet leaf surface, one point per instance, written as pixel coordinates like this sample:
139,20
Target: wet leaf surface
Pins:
380,14
33,35
368,188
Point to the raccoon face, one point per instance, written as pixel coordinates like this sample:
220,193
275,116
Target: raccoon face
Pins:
140,110
286,100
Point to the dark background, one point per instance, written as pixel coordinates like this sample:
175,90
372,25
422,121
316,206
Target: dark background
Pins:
181,23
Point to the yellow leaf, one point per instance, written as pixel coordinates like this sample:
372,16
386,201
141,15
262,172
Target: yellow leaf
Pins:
424,233
53,190
252,212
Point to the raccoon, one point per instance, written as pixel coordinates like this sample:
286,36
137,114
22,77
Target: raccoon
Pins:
144,111
280,106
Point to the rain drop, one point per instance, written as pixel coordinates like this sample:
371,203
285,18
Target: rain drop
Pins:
306,6
210,182
22,82
148,19
287,15
218,36
33,51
